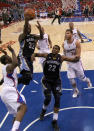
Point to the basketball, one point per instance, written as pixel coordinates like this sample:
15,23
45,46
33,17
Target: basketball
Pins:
29,13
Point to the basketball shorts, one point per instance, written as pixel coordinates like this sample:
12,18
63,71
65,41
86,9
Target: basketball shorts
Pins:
54,86
75,70
12,99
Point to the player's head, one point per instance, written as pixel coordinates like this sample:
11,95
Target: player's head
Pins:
71,25
5,59
56,49
68,34
28,31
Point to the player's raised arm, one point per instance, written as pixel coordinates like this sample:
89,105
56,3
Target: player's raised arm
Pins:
40,31
14,60
38,55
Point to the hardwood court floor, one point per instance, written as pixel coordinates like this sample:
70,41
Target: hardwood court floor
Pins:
56,33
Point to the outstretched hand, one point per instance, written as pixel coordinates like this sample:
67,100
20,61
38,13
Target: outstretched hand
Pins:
3,51
38,25
10,48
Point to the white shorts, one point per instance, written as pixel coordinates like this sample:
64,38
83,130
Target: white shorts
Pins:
12,99
75,70
41,59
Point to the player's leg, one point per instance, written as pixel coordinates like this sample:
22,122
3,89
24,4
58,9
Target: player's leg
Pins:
81,75
30,65
15,103
57,92
20,114
54,19
24,71
71,76
59,20
25,78
47,94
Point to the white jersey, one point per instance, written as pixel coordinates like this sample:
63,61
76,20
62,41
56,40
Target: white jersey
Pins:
9,93
44,43
75,69
75,34
44,47
9,79
70,49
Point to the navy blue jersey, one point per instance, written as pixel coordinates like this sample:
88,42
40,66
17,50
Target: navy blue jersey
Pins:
52,66
29,45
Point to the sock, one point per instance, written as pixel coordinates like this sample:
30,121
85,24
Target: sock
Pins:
55,116
44,107
15,125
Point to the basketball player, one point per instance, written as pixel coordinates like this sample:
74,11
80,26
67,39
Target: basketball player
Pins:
43,45
76,33
51,80
71,48
14,101
27,43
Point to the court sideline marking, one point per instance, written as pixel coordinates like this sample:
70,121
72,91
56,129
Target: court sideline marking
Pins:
2,122
69,108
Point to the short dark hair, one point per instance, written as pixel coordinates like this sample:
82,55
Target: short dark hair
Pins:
3,59
57,46
69,31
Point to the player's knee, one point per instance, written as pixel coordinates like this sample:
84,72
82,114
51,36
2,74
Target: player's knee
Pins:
22,108
72,81
84,79
47,97
25,107
47,100
25,78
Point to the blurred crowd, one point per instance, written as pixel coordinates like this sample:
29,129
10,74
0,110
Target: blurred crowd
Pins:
11,14
87,7
15,12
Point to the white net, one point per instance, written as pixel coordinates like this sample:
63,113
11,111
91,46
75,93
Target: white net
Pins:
67,4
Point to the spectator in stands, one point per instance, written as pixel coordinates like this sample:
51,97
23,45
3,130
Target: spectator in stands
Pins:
5,16
86,11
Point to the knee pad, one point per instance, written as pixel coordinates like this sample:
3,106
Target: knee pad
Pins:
47,97
72,81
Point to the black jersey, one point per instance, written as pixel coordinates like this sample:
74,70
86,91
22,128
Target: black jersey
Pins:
29,45
52,66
